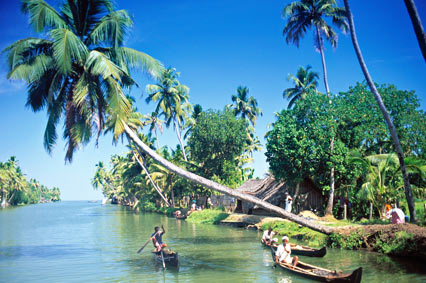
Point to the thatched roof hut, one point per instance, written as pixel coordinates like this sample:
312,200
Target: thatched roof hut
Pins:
272,191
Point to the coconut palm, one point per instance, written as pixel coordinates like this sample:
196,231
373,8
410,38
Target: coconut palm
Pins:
417,25
245,106
78,68
305,82
111,75
383,109
306,14
154,123
172,101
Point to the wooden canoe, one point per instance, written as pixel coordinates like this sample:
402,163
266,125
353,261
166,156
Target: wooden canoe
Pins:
171,258
319,274
304,250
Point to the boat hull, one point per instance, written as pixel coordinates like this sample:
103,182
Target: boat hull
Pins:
306,251
318,273
170,258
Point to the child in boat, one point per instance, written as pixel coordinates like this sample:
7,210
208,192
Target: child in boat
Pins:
157,238
267,236
283,253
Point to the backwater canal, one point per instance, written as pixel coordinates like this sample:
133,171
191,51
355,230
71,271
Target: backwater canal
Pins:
88,242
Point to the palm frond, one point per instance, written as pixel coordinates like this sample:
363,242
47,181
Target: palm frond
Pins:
42,15
68,48
139,60
111,29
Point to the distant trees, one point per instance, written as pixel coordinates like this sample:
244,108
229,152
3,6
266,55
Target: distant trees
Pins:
16,190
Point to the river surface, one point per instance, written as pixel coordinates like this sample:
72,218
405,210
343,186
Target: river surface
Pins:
88,242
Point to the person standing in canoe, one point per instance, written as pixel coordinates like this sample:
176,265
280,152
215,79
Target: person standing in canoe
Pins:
267,236
157,238
283,253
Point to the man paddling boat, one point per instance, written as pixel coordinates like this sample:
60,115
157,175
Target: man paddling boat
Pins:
283,253
157,238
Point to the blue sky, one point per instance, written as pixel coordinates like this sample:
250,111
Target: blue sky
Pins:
217,46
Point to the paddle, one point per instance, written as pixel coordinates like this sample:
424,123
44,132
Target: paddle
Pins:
147,242
162,258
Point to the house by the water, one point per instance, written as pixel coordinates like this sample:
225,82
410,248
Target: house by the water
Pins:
270,190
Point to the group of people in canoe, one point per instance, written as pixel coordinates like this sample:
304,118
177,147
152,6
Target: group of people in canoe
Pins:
283,253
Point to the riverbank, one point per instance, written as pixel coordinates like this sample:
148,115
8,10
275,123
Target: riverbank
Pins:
404,240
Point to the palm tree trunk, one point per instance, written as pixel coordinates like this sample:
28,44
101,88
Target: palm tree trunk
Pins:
377,96
324,67
329,208
417,24
11,197
4,198
142,164
179,136
225,190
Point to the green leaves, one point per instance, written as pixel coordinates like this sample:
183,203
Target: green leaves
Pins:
111,29
67,49
42,15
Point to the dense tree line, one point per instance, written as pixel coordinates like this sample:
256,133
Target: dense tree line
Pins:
16,189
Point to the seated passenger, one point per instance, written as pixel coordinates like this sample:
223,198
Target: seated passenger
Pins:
267,236
283,253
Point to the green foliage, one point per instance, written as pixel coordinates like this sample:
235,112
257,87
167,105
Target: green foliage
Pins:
78,69
217,139
402,243
353,241
15,189
207,216
293,230
298,143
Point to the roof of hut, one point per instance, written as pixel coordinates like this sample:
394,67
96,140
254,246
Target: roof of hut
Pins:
267,189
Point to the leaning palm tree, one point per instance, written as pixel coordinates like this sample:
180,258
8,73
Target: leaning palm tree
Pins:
305,81
305,14
417,25
172,101
112,74
389,123
245,106
78,68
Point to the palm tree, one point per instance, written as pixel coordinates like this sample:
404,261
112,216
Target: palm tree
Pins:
172,101
305,81
389,123
78,69
305,14
245,106
417,25
154,123
110,72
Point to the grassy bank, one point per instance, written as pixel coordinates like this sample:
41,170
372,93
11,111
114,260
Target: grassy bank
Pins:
207,216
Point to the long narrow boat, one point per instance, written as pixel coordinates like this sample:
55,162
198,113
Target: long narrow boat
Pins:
320,274
171,258
304,250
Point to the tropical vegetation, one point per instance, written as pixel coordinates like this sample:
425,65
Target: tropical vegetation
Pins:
16,189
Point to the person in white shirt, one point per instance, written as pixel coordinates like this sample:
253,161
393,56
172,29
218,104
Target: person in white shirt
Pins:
267,236
288,202
283,253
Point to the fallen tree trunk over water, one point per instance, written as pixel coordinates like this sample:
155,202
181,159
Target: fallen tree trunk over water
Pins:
225,190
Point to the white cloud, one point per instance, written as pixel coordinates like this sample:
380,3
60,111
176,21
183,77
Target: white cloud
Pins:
9,87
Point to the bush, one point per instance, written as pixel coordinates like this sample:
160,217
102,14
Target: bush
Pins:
401,244
353,241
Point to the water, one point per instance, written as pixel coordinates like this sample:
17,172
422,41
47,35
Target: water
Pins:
87,242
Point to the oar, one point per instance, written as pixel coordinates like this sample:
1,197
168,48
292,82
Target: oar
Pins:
162,258
147,242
